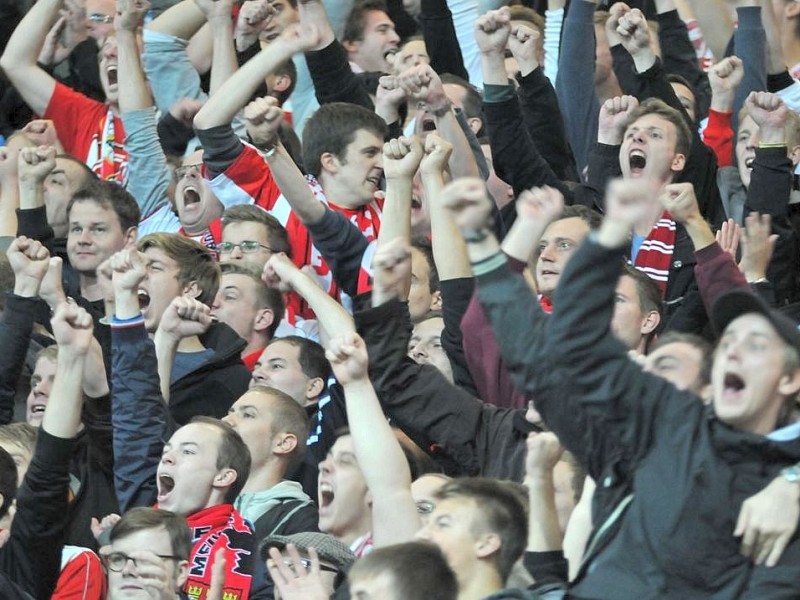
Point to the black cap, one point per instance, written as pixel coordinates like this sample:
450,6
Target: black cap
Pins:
736,303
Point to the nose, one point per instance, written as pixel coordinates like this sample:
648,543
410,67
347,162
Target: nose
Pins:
168,457
393,37
547,253
418,353
217,302
230,420
424,532
752,142
86,236
325,466
236,252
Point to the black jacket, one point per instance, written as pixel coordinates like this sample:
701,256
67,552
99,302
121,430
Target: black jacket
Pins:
671,477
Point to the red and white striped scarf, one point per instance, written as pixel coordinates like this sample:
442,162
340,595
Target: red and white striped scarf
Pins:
655,254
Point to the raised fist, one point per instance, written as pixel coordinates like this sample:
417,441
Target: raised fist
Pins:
35,164
348,357
185,317
263,118
492,31
401,157
614,116
437,153
279,271
469,202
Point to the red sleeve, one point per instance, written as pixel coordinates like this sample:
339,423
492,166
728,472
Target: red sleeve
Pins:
82,578
716,273
718,135
251,174
77,119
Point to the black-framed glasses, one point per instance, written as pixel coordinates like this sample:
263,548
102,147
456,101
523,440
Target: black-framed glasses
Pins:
100,18
181,171
116,561
307,565
424,507
247,247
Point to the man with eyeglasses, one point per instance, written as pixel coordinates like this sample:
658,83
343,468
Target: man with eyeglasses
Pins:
149,555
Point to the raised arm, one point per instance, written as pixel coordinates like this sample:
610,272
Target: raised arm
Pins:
238,89
401,158
134,92
281,273
394,514
219,15
19,58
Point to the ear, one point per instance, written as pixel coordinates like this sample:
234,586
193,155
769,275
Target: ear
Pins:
329,162
181,573
487,544
792,10
225,478
351,47
282,83
192,290
130,237
789,384
794,152
264,318
436,300
314,388
475,124
284,443
678,163
650,323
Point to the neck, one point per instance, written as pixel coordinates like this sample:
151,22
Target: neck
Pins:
482,581
191,344
256,343
114,106
357,530
264,477
195,230
609,88
90,287
650,218
790,45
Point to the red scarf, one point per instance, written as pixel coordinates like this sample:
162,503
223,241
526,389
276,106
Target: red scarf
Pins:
214,528
546,305
655,255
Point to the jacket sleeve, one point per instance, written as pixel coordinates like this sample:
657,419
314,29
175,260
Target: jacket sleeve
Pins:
343,247
768,193
32,556
333,79
15,331
418,396
32,223
139,415
456,294
718,135
575,83
439,33
716,273
585,387
545,123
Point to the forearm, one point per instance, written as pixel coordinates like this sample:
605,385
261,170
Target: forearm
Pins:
31,194
9,203
522,239
332,317
223,61
294,186
494,68
750,43
544,532
462,160
126,303
700,233
239,87
134,92
436,22
449,249
313,12
182,20
95,383
396,219
22,49
63,414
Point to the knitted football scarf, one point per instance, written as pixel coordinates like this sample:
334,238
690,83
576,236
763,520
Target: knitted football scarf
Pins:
655,255
214,528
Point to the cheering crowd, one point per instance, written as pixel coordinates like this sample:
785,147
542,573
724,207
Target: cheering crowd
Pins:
399,299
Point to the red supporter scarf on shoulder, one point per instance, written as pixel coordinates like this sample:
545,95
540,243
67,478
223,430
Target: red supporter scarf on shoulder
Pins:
212,529
655,254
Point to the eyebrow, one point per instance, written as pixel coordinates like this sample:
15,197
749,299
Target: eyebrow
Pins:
370,149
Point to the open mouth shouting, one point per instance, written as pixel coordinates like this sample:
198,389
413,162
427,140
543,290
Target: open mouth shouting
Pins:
637,160
165,484
733,386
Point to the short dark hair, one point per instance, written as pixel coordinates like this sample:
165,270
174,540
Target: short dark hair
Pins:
357,19
109,195
144,517
473,102
500,511
277,235
266,297
655,106
332,128
424,245
287,417
591,217
195,262
311,357
233,453
8,481
418,571
88,175
694,340
647,291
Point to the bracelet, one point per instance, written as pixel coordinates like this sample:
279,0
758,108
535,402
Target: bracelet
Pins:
267,152
441,110
759,280
775,145
474,236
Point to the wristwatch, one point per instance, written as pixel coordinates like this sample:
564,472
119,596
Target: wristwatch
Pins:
791,474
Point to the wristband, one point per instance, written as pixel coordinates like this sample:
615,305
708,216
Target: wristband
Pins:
775,145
